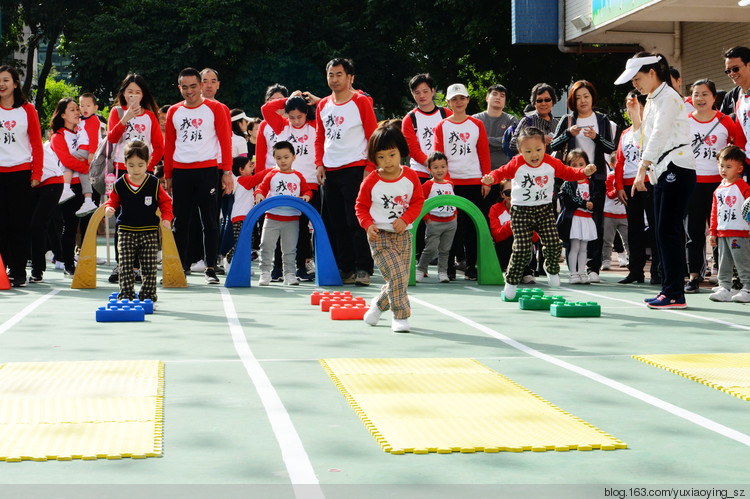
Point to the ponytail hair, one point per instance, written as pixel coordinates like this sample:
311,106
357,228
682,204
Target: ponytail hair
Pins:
661,67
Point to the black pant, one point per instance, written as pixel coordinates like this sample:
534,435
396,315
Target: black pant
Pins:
466,234
341,188
638,239
698,214
594,248
44,201
15,217
304,242
71,225
191,188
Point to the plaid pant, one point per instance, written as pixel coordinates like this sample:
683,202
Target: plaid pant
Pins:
392,254
236,228
524,220
143,245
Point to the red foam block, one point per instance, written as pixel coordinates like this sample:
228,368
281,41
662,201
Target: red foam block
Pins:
325,303
348,312
316,296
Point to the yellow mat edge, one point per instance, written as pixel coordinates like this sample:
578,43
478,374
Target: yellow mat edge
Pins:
619,444
647,360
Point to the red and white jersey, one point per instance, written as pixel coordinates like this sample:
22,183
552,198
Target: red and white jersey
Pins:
144,127
613,207
52,173
742,120
381,202
244,194
467,148
422,141
430,189
195,136
628,158
267,138
92,125
533,186
239,146
21,141
63,142
500,222
726,212
302,138
583,191
278,183
82,141
709,145
343,131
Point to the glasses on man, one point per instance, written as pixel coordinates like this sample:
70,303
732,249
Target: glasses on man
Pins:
733,69
546,99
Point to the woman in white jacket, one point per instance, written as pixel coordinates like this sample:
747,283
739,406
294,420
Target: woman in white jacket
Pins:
666,155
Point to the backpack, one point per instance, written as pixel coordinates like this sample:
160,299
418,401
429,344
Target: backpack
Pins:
413,117
103,163
508,136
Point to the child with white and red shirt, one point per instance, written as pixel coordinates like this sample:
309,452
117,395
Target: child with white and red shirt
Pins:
502,234
389,201
615,220
78,148
730,231
282,222
463,139
441,221
244,197
533,175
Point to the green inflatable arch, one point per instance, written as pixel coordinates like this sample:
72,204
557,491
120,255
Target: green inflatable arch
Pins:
488,268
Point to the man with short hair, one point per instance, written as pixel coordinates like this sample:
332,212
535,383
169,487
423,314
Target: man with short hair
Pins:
496,122
737,101
197,132
345,121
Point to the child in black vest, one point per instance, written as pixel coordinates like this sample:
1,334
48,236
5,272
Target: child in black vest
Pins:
139,194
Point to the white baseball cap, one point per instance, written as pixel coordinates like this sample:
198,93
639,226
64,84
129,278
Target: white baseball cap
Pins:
633,66
456,89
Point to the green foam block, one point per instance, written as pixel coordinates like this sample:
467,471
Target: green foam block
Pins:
521,293
536,302
576,309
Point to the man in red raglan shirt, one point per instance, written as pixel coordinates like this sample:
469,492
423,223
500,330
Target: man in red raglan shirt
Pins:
344,122
197,133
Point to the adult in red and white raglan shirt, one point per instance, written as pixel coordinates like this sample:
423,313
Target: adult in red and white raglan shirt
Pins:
345,121
196,133
267,136
21,163
463,139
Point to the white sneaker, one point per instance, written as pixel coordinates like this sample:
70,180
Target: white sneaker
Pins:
420,276
199,266
742,297
510,291
606,265
553,280
574,279
722,294
67,194
59,266
623,261
714,279
372,316
88,206
400,325
265,279
594,278
291,280
528,279
583,278
443,277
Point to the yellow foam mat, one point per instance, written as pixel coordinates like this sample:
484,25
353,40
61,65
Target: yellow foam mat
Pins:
728,372
81,410
456,405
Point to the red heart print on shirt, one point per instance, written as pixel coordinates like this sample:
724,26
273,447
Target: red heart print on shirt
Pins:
197,122
302,139
711,140
730,200
541,181
10,124
291,186
339,120
465,136
140,128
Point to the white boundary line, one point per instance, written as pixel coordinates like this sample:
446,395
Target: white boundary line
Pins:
26,311
293,453
616,385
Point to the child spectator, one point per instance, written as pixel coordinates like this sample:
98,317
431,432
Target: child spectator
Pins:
389,200
239,132
283,222
91,127
441,221
575,223
138,194
729,229
502,235
533,174
78,147
615,220
242,169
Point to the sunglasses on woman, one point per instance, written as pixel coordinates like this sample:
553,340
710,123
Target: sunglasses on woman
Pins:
506,193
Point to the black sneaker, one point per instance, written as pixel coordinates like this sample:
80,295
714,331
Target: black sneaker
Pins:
304,276
470,274
36,277
211,276
362,278
69,272
18,282
277,275
115,275
655,279
692,286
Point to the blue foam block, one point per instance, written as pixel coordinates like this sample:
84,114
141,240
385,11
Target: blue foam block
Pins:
148,305
124,314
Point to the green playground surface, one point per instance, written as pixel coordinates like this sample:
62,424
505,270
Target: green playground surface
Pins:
250,412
